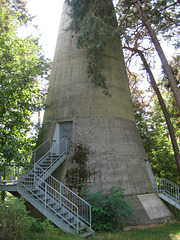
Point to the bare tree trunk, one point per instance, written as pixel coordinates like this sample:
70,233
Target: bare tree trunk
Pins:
163,106
165,65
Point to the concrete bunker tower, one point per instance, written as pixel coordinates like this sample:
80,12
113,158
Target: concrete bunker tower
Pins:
105,149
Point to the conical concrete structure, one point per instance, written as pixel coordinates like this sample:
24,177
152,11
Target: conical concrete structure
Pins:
105,149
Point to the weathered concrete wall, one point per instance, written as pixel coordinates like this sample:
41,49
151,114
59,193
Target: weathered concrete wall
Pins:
106,149
71,91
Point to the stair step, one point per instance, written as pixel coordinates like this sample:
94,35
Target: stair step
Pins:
42,196
71,219
53,157
32,188
35,190
29,177
65,214
52,204
43,200
86,234
44,164
57,206
73,222
82,228
44,167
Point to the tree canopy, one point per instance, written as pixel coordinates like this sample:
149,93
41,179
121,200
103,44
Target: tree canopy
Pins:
22,63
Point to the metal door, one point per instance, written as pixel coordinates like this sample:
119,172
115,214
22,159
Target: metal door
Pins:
65,129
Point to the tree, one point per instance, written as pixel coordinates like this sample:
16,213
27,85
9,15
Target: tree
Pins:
165,19
153,129
163,106
22,62
14,6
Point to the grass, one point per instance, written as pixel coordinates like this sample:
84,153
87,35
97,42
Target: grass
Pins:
169,231
47,231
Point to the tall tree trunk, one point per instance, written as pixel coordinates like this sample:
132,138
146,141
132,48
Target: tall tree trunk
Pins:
163,106
165,65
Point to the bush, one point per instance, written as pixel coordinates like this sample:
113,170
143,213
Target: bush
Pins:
14,219
108,210
38,226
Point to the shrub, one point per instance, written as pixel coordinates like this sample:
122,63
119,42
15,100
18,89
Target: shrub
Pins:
108,210
14,219
38,226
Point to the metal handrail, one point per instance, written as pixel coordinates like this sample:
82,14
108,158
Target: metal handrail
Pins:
168,188
34,177
51,151
40,146
51,192
85,214
11,174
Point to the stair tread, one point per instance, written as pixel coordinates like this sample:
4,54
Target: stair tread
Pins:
87,234
84,227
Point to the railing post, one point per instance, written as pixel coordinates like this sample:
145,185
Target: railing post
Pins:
18,174
34,164
45,194
159,188
51,156
50,144
90,216
60,193
77,221
66,145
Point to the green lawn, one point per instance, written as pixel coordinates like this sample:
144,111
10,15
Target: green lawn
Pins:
170,231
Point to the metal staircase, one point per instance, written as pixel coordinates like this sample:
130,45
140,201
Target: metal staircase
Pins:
167,190
63,207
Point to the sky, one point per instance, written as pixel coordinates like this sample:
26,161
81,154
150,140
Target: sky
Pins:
47,17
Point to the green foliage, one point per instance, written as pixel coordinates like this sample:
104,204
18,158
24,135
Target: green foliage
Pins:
22,62
152,126
14,220
96,25
155,137
15,223
15,6
162,14
108,210
38,226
